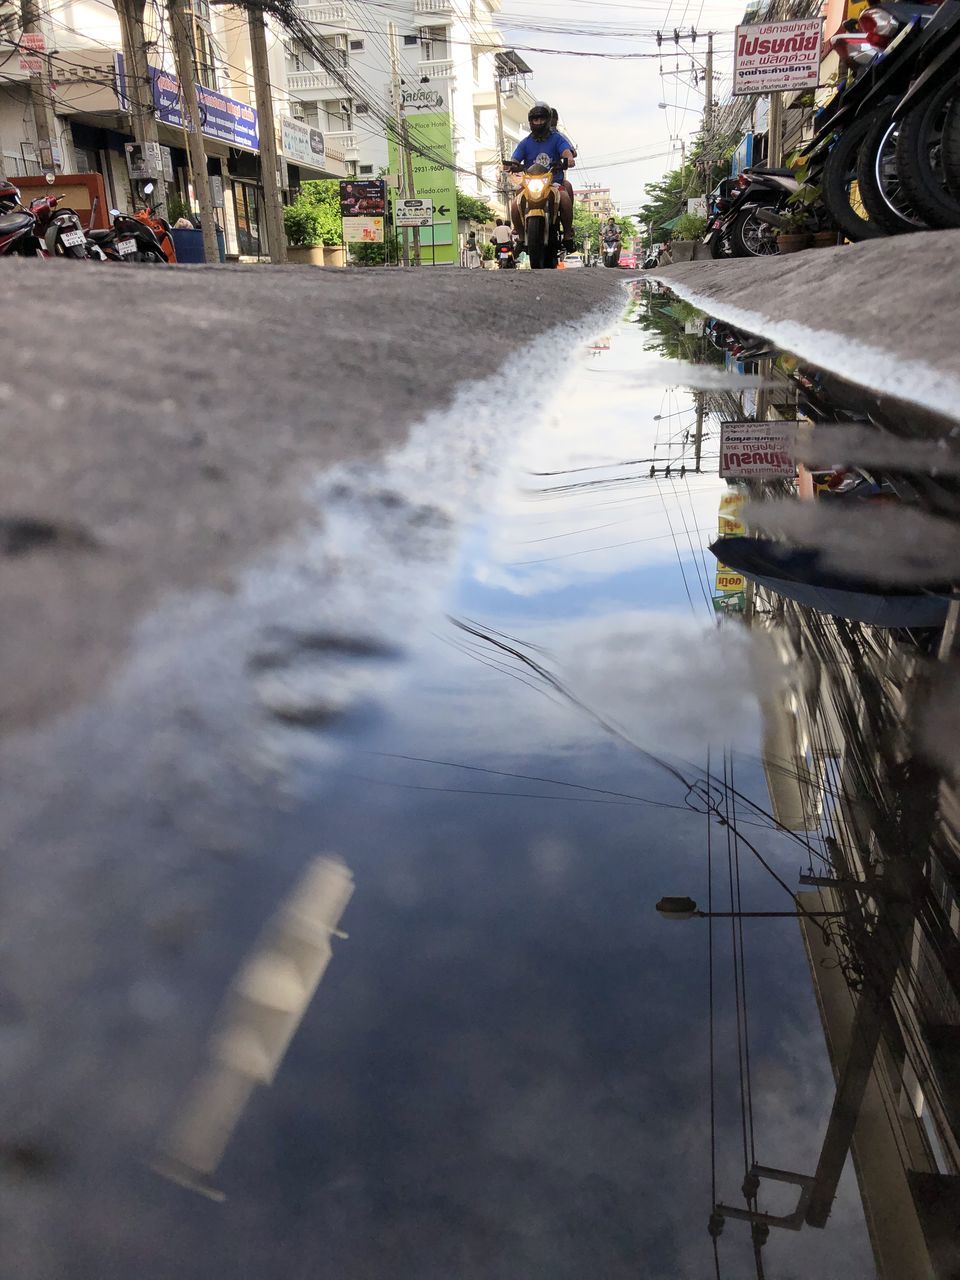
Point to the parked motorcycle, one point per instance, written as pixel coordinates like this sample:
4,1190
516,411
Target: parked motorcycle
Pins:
539,201
42,230
129,239
735,219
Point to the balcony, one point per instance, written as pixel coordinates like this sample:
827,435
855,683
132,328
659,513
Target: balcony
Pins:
440,69
327,15
298,81
344,144
443,7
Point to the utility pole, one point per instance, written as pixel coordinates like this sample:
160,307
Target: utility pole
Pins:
180,29
401,141
501,143
269,159
406,159
139,91
775,115
708,120
41,91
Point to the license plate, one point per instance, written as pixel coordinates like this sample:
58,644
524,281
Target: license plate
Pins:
72,237
126,246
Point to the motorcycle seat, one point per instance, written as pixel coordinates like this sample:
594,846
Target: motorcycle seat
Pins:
101,235
776,173
10,222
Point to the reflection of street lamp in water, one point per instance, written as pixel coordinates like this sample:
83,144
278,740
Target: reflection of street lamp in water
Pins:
687,909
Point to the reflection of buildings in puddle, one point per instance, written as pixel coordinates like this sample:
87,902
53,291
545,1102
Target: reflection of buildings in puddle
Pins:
257,1021
842,766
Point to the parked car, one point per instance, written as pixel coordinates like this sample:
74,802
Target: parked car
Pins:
628,259
573,260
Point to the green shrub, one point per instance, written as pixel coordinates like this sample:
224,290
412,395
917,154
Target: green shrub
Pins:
487,250
302,225
690,226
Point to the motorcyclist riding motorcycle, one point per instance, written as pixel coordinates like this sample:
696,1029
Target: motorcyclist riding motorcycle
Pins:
612,242
543,146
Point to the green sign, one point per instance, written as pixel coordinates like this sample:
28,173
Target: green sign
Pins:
433,180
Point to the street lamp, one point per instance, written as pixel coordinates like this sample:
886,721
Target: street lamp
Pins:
687,909
677,107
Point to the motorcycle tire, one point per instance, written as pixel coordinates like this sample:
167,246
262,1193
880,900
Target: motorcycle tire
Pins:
57,249
536,243
878,178
149,255
919,157
840,189
746,238
950,147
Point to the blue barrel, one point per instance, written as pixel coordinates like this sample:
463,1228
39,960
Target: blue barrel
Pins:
189,245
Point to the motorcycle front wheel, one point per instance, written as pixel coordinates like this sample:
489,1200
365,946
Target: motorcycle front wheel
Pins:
878,178
536,237
841,190
751,238
919,159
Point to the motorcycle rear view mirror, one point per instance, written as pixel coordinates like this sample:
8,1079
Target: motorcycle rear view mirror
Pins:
50,178
114,213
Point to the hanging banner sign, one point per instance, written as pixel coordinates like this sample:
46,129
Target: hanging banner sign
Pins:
363,230
300,143
771,56
757,450
731,504
367,198
225,119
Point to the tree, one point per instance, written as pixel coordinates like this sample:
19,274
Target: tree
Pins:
586,226
473,209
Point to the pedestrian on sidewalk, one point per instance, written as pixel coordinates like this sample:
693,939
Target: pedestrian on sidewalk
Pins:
473,253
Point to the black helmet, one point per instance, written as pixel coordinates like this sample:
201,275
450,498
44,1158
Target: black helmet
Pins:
539,111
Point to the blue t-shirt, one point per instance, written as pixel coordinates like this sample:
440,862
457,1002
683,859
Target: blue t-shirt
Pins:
546,151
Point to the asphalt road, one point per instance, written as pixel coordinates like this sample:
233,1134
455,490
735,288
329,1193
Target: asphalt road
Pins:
883,312
160,426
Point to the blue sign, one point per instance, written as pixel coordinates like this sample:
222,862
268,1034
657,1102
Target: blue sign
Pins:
743,156
221,117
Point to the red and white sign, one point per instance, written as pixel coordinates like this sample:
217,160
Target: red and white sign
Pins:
757,450
31,43
771,56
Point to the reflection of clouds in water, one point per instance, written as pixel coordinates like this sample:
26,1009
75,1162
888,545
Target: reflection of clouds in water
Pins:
552,858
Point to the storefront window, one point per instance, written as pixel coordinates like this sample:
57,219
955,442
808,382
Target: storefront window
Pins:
246,199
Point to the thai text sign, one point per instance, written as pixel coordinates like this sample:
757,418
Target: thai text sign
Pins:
729,579
757,450
363,230
221,117
300,143
413,213
771,56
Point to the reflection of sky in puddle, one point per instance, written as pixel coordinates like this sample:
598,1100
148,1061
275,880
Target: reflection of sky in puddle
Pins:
505,1071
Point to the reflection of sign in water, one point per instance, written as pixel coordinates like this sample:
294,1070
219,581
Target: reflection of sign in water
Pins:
771,56
759,450
414,213
731,504
363,230
363,199
728,580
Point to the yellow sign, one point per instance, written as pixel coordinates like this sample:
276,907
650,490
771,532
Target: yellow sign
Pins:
731,503
728,580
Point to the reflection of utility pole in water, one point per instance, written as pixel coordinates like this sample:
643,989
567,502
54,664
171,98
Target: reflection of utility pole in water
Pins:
260,1015
698,438
406,159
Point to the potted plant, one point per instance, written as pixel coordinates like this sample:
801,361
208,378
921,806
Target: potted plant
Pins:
794,231
302,226
487,254
688,232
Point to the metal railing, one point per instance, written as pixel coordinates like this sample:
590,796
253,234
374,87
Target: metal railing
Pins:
297,81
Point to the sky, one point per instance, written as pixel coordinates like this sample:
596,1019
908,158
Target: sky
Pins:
609,106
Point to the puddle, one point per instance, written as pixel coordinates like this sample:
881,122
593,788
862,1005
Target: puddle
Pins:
505,687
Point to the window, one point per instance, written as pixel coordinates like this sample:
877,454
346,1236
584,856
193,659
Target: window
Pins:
356,46
476,68
298,59
361,108
409,40
309,113
202,40
366,168
434,45
477,123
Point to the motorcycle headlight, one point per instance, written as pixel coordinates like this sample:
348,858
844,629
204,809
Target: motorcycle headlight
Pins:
535,186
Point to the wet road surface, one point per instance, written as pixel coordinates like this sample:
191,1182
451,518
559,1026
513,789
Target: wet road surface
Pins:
493,695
